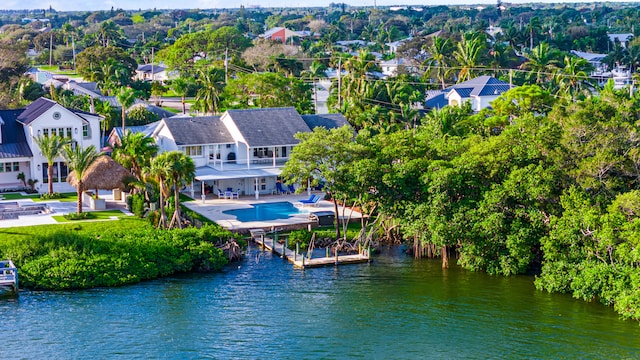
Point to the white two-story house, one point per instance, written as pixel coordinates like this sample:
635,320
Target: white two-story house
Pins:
19,153
242,150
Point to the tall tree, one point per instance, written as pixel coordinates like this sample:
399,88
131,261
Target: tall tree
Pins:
79,160
126,97
467,55
135,152
211,82
181,170
51,147
321,155
437,61
182,86
159,170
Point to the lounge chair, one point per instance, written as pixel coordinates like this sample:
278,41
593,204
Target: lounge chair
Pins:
312,201
292,189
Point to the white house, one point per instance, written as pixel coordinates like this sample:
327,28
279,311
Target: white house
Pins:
44,117
242,150
480,92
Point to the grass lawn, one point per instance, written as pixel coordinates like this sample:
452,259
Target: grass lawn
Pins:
99,215
66,197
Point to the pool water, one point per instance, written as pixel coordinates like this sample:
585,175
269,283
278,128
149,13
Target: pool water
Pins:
265,212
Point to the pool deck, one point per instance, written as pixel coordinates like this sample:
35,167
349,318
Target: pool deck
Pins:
212,208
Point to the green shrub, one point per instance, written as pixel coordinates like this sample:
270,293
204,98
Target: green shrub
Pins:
56,257
136,204
301,237
79,216
47,196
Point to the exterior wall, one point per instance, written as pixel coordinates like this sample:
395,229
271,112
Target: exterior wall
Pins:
485,101
66,120
164,139
10,179
279,36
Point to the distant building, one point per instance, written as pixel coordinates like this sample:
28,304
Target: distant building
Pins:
623,39
480,92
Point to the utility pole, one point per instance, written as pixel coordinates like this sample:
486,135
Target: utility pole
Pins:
226,65
153,75
73,46
339,82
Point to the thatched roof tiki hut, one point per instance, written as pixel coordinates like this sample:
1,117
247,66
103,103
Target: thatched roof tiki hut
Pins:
104,174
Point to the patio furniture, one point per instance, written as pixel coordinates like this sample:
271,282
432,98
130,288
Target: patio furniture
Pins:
221,194
312,201
292,189
280,188
235,195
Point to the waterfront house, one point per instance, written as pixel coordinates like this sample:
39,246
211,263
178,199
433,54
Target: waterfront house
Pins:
20,154
242,150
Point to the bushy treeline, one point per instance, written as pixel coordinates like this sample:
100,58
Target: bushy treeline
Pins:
527,187
55,257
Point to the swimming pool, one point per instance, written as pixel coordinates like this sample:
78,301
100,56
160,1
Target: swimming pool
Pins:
265,212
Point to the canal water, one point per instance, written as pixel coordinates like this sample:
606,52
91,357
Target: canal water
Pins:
393,308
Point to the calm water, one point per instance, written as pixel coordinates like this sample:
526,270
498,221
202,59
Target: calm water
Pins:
265,212
394,308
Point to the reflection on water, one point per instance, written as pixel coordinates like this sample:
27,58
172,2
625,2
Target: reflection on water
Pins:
394,307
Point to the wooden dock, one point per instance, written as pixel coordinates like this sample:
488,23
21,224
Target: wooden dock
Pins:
8,275
300,260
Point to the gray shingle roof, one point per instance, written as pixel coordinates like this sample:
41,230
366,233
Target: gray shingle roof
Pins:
269,127
35,109
198,130
329,121
14,143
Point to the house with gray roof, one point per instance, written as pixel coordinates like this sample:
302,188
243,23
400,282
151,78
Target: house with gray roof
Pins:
480,92
242,149
19,153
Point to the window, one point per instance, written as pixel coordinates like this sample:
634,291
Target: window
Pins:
9,167
193,150
45,173
63,132
59,173
284,151
263,184
85,130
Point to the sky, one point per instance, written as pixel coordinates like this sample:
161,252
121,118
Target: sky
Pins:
84,5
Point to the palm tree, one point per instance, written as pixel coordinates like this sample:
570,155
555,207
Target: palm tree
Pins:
182,169
574,76
135,152
317,70
79,160
181,86
159,170
211,85
467,54
51,147
109,31
126,97
542,61
439,51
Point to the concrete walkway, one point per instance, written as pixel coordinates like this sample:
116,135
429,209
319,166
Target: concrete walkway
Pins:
57,208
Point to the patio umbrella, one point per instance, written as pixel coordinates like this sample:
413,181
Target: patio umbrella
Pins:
105,173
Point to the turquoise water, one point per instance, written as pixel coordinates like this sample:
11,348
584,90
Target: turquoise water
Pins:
265,212
262,308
